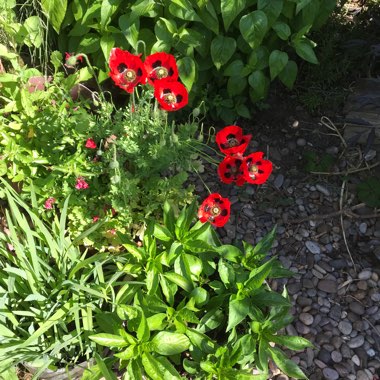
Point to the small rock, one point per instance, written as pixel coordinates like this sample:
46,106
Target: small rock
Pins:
336,356
301,142
313,247
306,318
278,181
355,359
294,288
356,307
365,275
342,370
362,375
363,228
322,190
356,342
345,327
330,374
328,286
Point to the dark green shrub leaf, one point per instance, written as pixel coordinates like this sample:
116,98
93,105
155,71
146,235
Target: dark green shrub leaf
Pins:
236,68
236,85
201,341
302,4
230,9
289,74
109,340
108,8
161,29
259,59
261,249
187,71
55,11
141,8
277,62
170,343
89,44
260,85
130,29
288,366
304,48
369,192
230,252
282,29
107,42
253,28
208,16
263,355
259,275
243,111
296,343
222,49
237,311
272,9
190,366
265,298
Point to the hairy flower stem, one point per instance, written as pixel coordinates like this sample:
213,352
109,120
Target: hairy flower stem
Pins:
94,75
200,177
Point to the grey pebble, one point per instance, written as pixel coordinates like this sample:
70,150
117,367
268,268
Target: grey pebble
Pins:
322,190
330,374
356,342
345,327
278,181
328,286
313,247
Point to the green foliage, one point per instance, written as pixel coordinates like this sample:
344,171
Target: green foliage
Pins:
198,306
51,293
264,38
315,162
369,192
141,159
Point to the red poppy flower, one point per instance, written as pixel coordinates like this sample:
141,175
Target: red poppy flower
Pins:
231,170
231,140
215,210
161,66
170,95
257,170
90,144
127,70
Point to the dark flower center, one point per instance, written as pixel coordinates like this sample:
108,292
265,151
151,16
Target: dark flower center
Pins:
169,97
161,72
253,170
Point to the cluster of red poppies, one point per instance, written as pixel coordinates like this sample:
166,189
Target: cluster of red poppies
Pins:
235,168
159,69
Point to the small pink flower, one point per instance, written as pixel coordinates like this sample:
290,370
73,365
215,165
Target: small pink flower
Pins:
91,144
71,60
49,203
81,184
95,218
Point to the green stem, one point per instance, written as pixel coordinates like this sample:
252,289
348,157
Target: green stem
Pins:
94,75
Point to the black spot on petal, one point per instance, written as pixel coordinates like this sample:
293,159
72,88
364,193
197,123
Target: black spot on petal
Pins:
170,72
230,136
227,175
259,163
228,166
224,213
166,91
139,72
249,160
238,163
261,171
179,98
156,64
122,67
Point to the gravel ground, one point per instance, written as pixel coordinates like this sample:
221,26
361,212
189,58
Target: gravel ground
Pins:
335,293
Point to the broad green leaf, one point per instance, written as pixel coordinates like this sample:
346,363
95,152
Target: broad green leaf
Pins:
104,369
167,290
200,296
266,298
141,8
259,275
235,68
107,42
162,233
237,311
170,343
282,29
130,29
289,74
157,321
187,71
107,10
169,219
259,83
258,59
277,62
230,252
109,340
253,28
179,280
304,48
201,341
55,11
296,343
301,4
236,85
222,49
226,273
261,249
158,369
207,14
243,111
89,44
162,33
272,9
230,10
33,25
263,356
286,365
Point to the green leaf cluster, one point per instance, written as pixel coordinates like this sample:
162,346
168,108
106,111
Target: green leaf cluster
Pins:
239,46
196,305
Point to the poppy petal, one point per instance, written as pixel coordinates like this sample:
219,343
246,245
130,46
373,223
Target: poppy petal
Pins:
161,65
170,95
215,209
231,140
